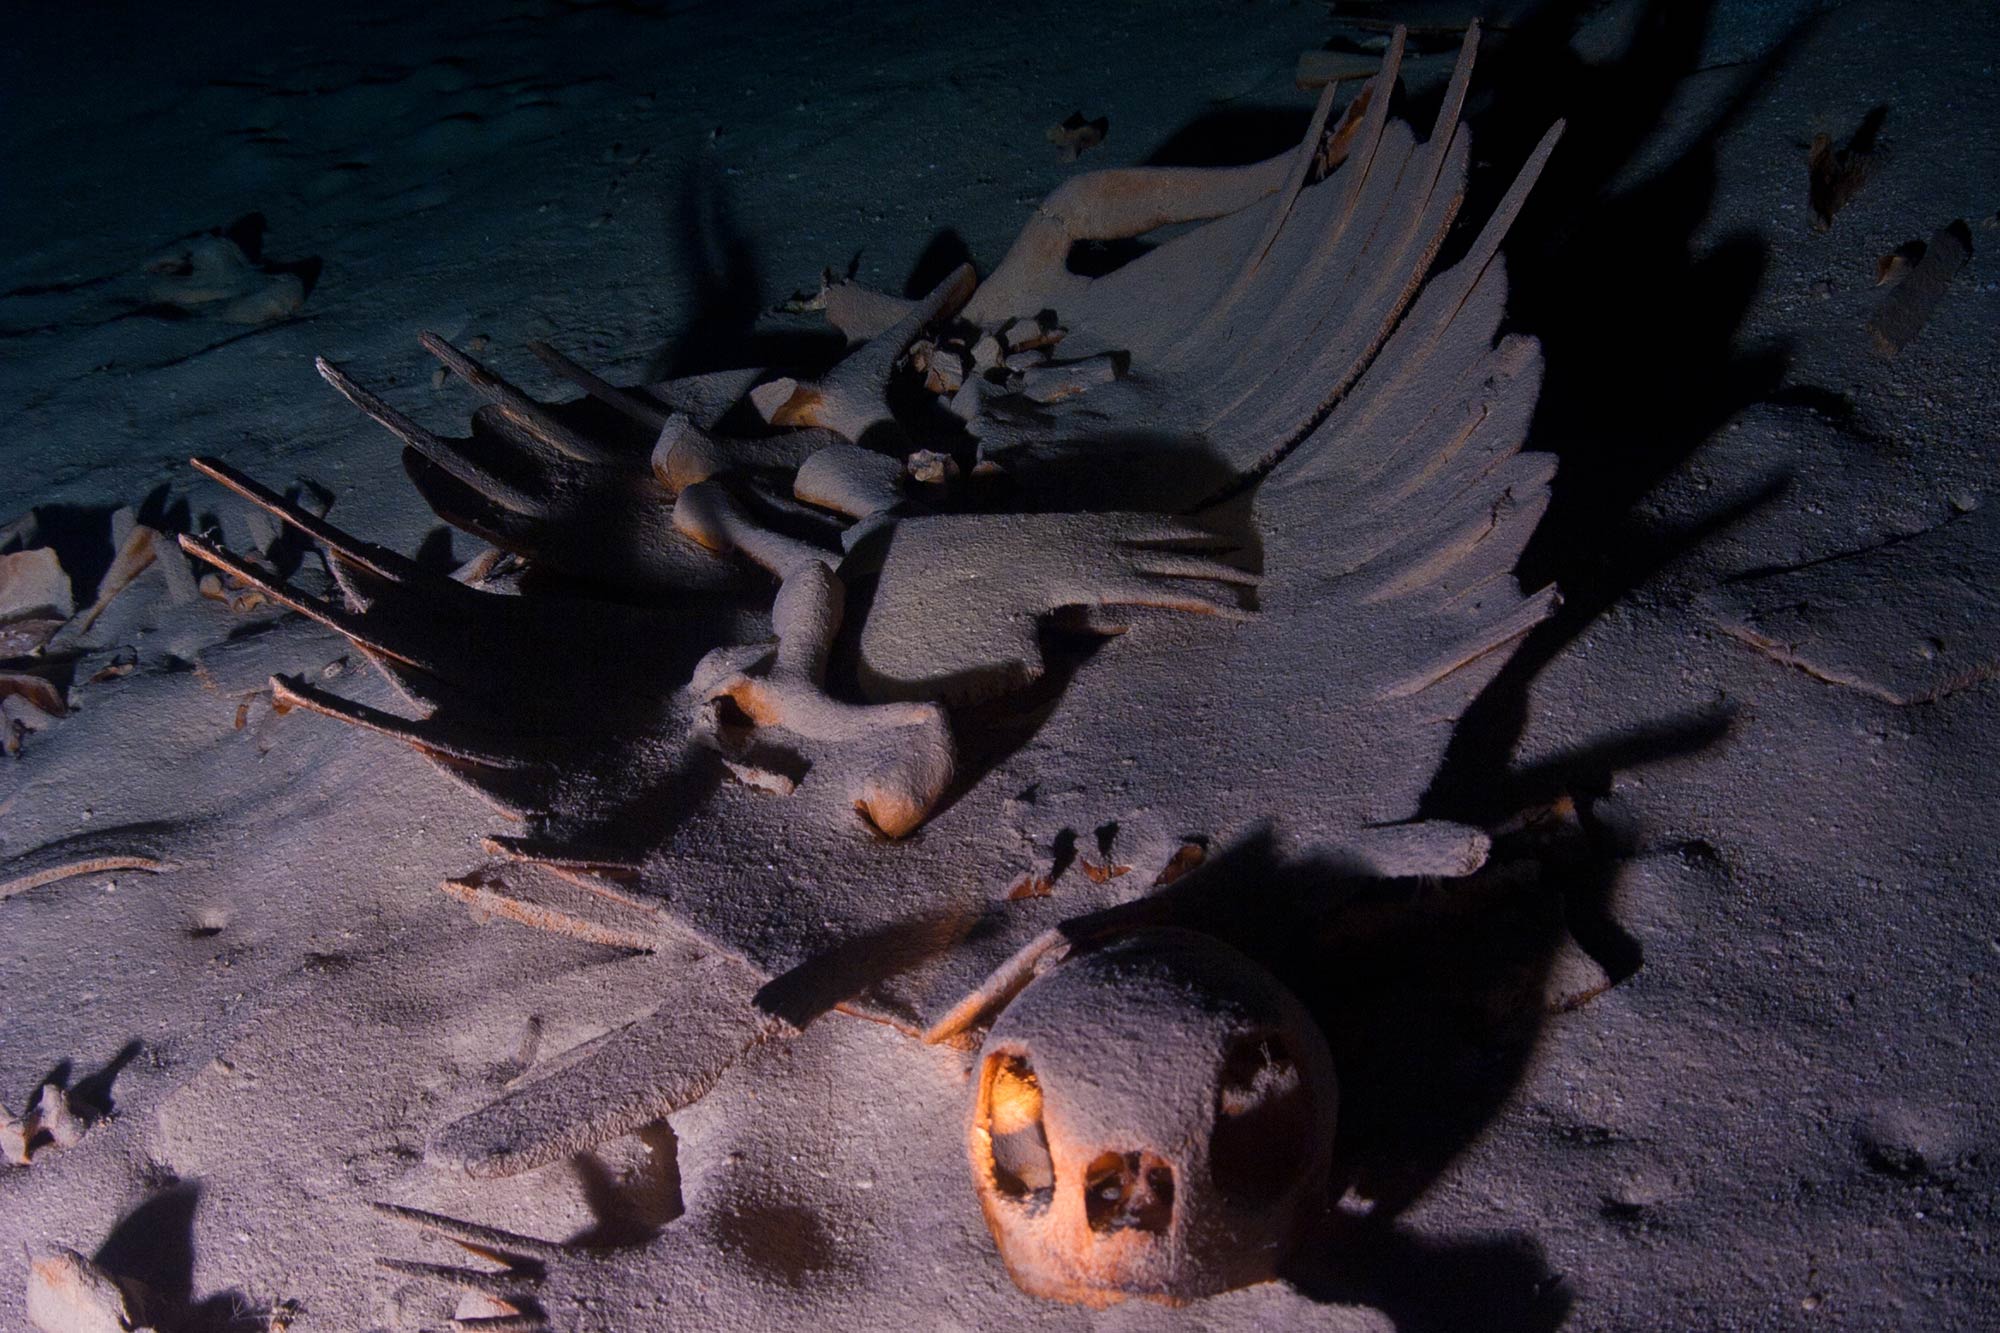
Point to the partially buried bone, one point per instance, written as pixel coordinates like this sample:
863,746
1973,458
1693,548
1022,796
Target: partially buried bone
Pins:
710,515
617,1083
862,314
67,1293
1105,206
516,1268
685,455
531,483
905,757
958,612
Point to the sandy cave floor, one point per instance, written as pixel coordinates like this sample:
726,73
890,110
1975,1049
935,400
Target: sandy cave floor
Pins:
1782,1115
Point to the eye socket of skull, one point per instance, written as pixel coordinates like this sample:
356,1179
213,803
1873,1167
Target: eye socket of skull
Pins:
1264,1120
1010,1114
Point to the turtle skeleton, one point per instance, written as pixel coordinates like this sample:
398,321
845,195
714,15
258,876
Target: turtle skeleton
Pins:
1286,482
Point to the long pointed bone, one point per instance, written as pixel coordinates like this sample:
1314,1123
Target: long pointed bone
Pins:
523,412
636,406
433,447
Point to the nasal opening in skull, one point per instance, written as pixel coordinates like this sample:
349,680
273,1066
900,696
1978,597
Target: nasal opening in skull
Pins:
1128,1191
1263,1120
1012,1118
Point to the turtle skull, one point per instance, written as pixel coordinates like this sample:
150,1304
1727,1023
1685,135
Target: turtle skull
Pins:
1153,1119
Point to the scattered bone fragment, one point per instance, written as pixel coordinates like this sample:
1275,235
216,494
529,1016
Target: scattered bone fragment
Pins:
28,703
33,585
906,756
1076,136
1836,175
51,1121
802,302
1895,265
23,636
231,592
1025,335
33,690
1574,978
67,1293
1910,304
212,275
944,370
58,1116
1030,885
931,467
1056,381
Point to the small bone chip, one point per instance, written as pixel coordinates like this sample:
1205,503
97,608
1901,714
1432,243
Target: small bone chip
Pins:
1076,136
1911,302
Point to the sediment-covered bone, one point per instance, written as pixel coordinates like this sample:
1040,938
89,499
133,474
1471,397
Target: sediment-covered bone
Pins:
1909,305
531,484
518,1274
211,275
685,454
33,583
1154,1118
862,314
851,480
963,597
614,1084
67,1293
852,398
714,518
900,754
517,692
